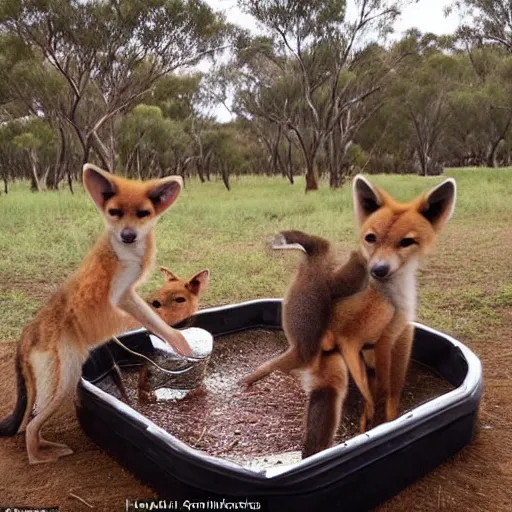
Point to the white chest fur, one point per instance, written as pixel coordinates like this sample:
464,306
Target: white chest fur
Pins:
401,290
130,267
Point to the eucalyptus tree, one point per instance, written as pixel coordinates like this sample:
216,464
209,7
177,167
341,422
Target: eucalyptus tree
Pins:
37,142
110,53
314,47
488,21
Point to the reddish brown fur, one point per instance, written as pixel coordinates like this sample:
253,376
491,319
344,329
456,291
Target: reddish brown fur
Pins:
381,314
306,317
378,315
93,304
175,301
170,310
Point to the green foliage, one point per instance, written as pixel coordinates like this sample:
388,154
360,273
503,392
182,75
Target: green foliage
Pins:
228,233
318,92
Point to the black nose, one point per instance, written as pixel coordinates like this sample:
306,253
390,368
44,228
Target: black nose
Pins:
128,236
380,270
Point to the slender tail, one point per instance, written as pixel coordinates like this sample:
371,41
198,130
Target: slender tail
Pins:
310,244
10,425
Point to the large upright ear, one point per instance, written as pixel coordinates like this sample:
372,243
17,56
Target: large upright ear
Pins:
437,206
199,283
99,184
366,198
164,192
169,276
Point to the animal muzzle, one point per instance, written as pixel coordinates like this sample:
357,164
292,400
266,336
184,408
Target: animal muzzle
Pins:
380,270
128,235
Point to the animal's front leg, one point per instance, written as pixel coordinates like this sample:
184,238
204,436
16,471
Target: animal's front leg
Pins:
400,357
357,368
135,306
384,369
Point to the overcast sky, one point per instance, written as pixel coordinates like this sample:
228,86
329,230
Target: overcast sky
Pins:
426,15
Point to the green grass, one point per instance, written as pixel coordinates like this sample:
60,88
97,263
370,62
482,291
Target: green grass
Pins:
44,236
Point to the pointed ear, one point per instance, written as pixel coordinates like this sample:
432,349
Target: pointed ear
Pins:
366,198
437,206
169,276
198,283
99,184
164,192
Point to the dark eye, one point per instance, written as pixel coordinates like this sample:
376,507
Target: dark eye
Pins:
406,242
180,299
156,304
115,212
370,238
142,213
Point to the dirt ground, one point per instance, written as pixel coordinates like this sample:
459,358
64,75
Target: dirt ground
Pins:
479,478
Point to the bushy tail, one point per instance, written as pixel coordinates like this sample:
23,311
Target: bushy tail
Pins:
350,278
10,425
310,244
322,420
325,403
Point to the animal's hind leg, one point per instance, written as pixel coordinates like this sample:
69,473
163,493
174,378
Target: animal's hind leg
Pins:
329,387
39,450
286,362
56,376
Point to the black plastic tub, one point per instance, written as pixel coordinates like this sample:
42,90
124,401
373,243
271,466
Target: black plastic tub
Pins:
356,475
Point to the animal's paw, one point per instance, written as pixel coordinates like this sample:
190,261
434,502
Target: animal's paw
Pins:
48,452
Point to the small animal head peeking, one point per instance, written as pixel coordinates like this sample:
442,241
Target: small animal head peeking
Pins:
395,235
130,208
177,299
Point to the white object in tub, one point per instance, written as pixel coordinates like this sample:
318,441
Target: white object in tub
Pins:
201,344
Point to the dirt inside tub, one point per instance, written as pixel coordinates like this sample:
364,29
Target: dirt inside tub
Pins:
261,426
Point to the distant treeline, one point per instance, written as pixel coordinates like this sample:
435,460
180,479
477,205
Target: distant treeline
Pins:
315,94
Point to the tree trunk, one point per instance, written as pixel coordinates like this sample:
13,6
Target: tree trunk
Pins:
335,177
70,180
311,177
208,168
199,168
101,151
87,152
423,158
490,159
59,169
6,186
35,186
225,176
52,182
137,162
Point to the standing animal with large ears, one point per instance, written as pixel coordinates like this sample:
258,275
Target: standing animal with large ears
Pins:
371,324
393,238
92,305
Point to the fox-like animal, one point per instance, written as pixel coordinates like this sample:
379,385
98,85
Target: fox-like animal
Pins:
393,237
92,305
306,317
175,301
372,328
